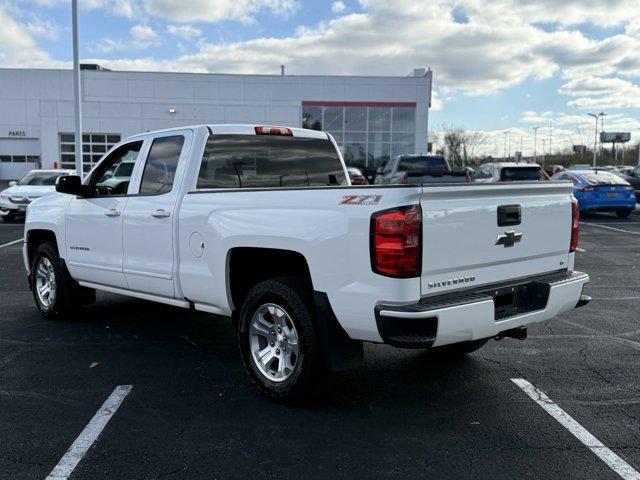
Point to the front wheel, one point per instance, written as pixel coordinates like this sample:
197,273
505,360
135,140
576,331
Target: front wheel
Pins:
623,213
55,292
277,338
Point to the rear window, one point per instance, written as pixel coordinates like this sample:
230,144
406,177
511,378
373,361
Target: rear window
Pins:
522,173
600,178
422,164
267,161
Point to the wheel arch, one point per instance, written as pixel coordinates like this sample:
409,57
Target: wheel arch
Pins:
36,237
246,266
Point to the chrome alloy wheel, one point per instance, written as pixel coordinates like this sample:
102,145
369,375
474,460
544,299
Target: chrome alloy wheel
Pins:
274,342
45,282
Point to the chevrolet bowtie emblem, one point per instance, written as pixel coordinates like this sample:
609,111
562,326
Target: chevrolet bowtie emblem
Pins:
509,239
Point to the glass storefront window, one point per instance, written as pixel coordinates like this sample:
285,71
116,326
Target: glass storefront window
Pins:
379,119
367,136
355,119
312,118
333,119
404,119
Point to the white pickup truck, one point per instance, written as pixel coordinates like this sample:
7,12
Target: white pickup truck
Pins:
260,224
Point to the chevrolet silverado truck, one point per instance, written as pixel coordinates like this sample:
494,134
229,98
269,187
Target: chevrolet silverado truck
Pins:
259,224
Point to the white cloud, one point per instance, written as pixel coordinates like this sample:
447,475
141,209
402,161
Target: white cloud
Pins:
602,92
142,37
45,29
18,49
338,7
500,44
185,32
143,33
214,12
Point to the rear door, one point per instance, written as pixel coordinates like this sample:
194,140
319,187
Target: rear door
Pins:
150,215
479,234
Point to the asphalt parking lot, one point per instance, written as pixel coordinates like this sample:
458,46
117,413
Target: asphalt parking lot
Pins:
192,413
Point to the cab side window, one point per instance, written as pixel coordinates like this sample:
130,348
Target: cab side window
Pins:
161,165
114,173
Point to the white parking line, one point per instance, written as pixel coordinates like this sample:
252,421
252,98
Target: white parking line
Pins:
90,433
616,463
11,243
610,228
581,250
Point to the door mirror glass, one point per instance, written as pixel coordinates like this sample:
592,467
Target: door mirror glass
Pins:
72,185
13,183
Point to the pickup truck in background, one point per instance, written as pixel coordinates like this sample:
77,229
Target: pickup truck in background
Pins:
419,169
260,225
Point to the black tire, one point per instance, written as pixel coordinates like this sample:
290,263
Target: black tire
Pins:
459,349
623,213
9,218
297,301
68,294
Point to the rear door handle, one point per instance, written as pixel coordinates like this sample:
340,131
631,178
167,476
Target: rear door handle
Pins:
112,212
161,214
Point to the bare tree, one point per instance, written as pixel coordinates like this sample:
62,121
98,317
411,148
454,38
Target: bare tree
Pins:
461,146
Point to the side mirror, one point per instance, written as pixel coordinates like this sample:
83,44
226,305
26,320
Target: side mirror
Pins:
13,183
72,185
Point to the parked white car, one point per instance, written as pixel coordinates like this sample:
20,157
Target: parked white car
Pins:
260,224
34,184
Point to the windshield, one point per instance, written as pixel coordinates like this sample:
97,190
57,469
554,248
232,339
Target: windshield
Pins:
422,164
600,178
522,173
41,178
125,169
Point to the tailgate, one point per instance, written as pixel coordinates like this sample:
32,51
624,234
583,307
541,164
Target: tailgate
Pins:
464,246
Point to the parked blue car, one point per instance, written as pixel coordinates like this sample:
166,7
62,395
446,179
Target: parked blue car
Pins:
600,191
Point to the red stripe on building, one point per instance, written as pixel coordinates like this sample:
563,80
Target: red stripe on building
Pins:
320,103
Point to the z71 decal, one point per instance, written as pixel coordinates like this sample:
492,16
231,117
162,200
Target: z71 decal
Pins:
360,199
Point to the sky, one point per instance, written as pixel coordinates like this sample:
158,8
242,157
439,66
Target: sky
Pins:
498,65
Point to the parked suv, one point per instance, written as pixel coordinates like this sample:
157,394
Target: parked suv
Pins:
418,169
634,179
509,172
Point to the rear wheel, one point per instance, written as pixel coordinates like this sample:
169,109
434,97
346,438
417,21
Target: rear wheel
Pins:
459,349
277,339
623,213
55,292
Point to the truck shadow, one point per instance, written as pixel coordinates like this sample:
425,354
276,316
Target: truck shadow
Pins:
207,344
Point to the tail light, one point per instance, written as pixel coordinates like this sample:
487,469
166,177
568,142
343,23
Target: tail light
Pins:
283,131
575,225
588,189
396,238
628,187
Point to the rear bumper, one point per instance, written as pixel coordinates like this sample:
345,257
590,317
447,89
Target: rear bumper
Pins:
481,313
608,206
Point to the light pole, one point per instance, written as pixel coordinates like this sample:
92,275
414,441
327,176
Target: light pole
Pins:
76,89
504,151
535,144
595,139
602,115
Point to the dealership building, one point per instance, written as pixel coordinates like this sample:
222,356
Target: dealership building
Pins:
371,118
